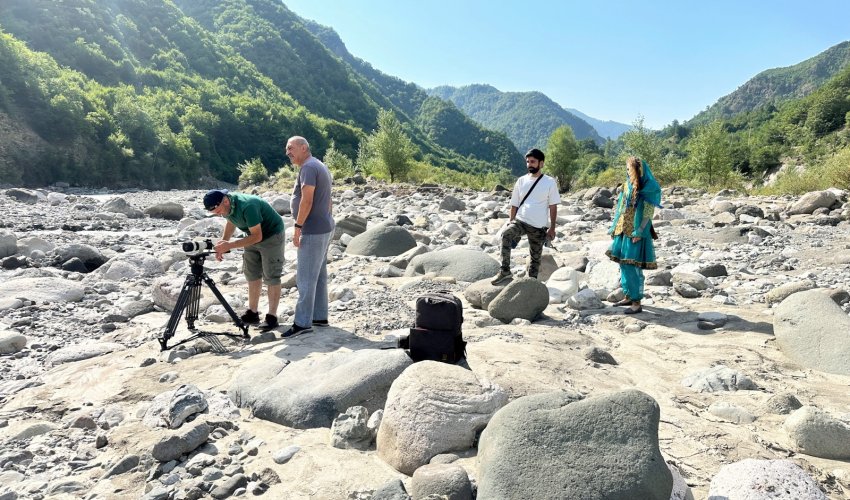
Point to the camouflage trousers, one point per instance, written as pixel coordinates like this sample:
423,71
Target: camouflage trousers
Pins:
536,238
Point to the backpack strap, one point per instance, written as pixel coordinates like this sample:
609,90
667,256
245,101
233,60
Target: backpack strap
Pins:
529,191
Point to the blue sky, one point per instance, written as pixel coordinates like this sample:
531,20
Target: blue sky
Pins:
613,60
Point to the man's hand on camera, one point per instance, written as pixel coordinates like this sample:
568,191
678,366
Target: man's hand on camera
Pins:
221,247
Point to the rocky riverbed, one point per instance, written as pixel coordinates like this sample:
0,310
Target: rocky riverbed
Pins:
735,375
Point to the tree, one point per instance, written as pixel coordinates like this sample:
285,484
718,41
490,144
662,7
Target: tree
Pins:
338,163
252,172
643,143
709,159
391,147
563,151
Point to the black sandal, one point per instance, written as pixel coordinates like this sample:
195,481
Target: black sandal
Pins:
634,311
624,302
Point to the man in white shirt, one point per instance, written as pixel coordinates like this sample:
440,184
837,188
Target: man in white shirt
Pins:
534,209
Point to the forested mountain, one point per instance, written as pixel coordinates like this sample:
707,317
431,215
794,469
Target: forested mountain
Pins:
141,93
775,86
528,118
607,129
442,122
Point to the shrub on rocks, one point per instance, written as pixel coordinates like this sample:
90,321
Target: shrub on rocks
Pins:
544,445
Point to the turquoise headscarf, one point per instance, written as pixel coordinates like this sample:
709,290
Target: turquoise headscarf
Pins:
650,192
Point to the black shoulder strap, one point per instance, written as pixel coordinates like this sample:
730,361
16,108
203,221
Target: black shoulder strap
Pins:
529,191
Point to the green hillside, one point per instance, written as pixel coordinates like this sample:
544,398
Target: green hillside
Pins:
138,93
775,86
441,122
528,118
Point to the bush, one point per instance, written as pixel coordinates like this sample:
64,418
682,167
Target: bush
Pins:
836,170
252,172
339,164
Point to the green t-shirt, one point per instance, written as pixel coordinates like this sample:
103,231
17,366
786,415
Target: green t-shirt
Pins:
247,210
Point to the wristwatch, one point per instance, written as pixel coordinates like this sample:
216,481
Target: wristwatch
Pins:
298,226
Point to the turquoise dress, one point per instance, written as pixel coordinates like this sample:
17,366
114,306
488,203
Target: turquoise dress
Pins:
632,210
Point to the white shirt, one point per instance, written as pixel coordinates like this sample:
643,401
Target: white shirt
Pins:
535,210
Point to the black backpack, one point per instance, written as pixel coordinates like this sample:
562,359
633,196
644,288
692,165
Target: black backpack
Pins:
436,334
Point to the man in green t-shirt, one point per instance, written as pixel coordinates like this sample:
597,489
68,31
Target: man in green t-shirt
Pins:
262,259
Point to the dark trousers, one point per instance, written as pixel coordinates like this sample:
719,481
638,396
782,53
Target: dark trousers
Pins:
536,238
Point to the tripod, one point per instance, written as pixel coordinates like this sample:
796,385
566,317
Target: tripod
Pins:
189,300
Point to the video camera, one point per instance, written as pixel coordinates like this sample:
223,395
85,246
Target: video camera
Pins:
198,247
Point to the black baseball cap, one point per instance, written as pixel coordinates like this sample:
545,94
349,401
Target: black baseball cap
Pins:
213,198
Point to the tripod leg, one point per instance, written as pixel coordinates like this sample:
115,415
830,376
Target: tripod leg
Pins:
194,305
242,326
179,306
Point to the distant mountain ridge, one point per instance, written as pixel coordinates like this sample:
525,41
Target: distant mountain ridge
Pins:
608,129
529,118
777,85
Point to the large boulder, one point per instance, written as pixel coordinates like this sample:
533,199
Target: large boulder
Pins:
523,298
131,265
544,445
452,204
11,341
481,293
310,393
120,206
8,244
460,263
42,289
812,330
23,195
814,432
32,246
603,273
168,210
810,202
384,240
351,225
89,256
753,479
563,284
434,408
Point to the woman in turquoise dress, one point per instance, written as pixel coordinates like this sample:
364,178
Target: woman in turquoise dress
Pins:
631,231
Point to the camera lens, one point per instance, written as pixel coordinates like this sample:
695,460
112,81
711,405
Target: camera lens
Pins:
189,246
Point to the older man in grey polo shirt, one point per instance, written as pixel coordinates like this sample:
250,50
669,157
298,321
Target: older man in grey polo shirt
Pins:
314,227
